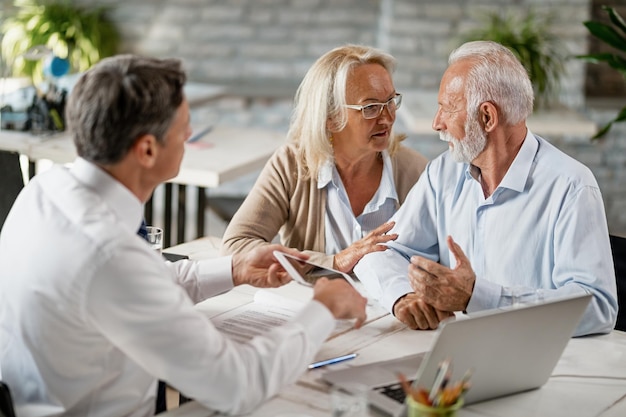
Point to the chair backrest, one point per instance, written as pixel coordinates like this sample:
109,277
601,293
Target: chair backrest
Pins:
6,402
618,249
11,182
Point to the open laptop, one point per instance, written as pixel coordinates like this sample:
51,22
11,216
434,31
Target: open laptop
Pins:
508,351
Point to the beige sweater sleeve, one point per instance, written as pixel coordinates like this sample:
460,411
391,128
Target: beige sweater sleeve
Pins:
283,203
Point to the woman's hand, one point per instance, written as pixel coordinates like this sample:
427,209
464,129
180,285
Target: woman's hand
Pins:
260,268
346,259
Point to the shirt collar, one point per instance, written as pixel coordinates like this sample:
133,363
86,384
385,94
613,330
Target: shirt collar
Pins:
517,175
325,174
519,171
328,173
126,206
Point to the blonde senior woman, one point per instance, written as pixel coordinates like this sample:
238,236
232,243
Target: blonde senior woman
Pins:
332,188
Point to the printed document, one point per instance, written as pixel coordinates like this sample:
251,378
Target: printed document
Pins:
270,309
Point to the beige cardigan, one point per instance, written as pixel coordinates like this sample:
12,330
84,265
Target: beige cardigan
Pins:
281,201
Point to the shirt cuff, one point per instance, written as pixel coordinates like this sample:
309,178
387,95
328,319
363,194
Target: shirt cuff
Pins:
317,321
486,295
216,275
393,293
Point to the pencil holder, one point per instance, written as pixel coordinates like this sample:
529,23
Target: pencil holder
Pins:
417,409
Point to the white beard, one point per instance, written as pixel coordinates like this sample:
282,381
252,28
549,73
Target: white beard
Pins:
468,148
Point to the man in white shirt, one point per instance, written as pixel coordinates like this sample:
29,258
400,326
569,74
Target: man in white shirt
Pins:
502,217
90,316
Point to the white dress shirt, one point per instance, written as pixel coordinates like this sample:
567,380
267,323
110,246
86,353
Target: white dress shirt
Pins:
544,227
342,227
91,317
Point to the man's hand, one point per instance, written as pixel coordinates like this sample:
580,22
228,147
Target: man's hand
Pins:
260,268
346,259
443,288
413,311
343,301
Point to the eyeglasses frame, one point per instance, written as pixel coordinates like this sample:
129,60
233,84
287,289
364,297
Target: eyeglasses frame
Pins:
397,96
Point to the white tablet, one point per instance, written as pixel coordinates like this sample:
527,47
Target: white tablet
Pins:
307,273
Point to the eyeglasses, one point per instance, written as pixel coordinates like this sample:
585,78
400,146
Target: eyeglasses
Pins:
373,110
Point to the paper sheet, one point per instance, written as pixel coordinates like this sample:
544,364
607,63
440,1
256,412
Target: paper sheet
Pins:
269,309
262,314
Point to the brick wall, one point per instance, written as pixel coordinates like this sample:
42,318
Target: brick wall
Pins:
607,159
424,32
237,41
241,40
266,46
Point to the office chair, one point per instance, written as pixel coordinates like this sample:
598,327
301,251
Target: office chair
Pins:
618,249
6,402
11,182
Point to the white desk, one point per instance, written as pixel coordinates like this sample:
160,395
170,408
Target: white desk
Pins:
419,107
223,154
589,380
216,158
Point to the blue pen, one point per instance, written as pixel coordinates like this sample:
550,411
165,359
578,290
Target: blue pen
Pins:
332,360
197,136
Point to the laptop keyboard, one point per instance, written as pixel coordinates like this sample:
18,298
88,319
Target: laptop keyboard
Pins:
393,391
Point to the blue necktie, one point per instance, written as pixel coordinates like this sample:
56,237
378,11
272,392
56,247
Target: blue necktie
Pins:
143,230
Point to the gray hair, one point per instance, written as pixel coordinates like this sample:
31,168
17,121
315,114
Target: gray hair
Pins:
120,99
321,98
496,76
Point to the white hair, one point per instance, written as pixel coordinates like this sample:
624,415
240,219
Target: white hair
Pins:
497,76
321,98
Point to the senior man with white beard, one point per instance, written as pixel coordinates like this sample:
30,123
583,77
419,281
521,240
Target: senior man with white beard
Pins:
502,216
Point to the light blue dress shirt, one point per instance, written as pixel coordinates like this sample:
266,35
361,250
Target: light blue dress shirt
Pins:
541,234
341,225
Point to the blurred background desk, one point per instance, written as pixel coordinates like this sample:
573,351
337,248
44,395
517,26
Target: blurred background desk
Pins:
223,154
589,380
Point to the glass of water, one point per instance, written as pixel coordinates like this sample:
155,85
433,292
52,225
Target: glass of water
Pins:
351,402
155,238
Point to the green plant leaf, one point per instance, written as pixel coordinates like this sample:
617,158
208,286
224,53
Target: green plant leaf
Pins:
84,36
615,61
621,117
611,37
529,38
596,58
616,19
607,34
602,131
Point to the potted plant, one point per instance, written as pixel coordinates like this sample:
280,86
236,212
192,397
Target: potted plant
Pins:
613,35
81,36
529,38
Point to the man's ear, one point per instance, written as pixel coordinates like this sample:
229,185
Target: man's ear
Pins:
145,150
488,116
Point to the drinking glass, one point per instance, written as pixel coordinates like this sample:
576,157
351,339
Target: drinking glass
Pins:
155,238
351,402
